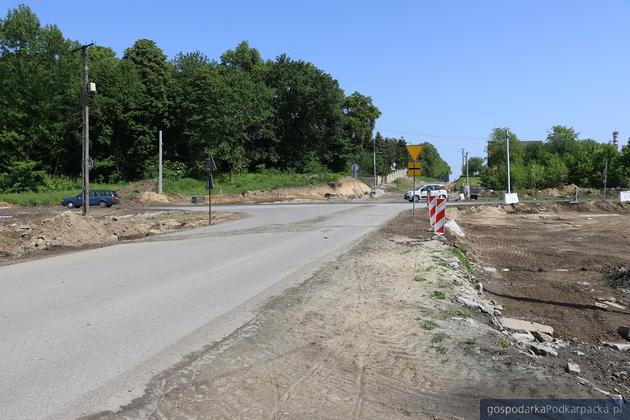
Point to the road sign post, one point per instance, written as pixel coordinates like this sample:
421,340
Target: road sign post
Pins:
413,199
414,168
355,170
210,167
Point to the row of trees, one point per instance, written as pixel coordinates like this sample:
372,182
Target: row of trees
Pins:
563,158
249,112
391,153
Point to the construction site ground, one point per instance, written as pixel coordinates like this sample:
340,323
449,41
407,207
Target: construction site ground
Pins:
565,266
397,328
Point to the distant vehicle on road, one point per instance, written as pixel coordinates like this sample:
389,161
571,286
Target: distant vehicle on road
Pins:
475,192
421,192
101,198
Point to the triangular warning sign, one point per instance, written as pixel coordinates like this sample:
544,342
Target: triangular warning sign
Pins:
414,151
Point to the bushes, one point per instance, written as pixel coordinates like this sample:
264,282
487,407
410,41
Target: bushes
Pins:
22,176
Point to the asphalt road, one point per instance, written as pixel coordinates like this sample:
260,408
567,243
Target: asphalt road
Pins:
85,331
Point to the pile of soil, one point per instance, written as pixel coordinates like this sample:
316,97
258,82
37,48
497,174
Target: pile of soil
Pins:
31,234
549,192
150,197
345,188
143,192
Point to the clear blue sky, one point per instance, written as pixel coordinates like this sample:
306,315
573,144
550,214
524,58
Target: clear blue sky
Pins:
441,71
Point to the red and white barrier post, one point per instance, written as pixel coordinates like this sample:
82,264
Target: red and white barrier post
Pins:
431,205
440,216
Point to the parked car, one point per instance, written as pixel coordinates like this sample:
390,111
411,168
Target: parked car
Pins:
421,192
101,198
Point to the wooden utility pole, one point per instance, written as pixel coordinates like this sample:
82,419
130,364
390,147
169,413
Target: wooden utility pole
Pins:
85,161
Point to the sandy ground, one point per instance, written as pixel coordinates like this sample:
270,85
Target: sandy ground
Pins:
376,334
555,265
39,232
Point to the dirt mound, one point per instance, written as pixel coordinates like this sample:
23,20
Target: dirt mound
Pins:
33,235
489,214
70,230
132,192
152,197
549,192
345,188
348,187
620,278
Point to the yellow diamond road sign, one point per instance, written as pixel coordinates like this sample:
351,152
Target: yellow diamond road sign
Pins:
414,151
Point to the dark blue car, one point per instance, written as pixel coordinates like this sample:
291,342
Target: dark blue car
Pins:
101,198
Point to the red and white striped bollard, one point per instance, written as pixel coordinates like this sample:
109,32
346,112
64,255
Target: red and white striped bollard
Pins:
440,216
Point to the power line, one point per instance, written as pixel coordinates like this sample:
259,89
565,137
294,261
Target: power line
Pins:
430,135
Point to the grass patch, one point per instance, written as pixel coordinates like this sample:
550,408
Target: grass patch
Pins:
439,337
444,315
474,181
49,198
429,325
503,343
470,342
445,265
419,279
439,295
440,349
406,184
440,262
463,313
266,180
460,253
445,285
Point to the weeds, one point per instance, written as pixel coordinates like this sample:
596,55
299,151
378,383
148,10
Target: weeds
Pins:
503,343
470,342
445,285
440,349
439,295
439,337
445,315
419,279
429,325
460,253
463,313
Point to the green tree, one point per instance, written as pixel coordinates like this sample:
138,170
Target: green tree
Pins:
497,148
38,81
155,107
433,166
360,118
561,140
308,104
556,172
474,166
535,175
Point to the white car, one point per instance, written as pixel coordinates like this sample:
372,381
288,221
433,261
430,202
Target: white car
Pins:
421,192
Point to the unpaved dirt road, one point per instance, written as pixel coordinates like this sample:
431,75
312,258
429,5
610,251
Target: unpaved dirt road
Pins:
86,331
368,337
